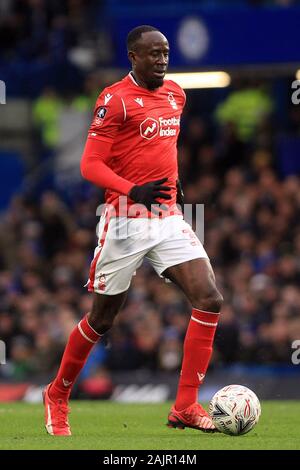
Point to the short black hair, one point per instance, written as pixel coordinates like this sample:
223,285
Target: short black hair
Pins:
135,34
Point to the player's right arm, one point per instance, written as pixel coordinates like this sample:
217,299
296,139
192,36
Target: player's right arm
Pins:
109,116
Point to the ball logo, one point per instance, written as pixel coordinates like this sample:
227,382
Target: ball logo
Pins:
149,128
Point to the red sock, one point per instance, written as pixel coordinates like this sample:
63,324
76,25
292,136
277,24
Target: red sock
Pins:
197,350
81,341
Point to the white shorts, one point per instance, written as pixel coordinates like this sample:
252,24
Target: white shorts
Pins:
125,242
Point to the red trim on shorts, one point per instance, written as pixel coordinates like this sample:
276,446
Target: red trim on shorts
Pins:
95,260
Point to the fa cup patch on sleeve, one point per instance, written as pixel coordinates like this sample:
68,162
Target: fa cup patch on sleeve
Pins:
101,112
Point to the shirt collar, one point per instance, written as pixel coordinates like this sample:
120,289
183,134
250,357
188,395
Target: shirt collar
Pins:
133,79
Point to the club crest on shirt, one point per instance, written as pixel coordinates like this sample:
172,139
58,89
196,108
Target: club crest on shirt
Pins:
172,101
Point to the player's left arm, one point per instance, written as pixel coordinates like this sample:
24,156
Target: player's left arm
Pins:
179,194
179,189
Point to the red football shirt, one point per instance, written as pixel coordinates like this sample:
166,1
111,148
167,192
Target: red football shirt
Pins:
143,128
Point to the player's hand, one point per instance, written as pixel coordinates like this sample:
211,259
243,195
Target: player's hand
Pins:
148,193
179,195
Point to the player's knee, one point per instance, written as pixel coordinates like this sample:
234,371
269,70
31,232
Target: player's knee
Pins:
104,327
99,323
210,303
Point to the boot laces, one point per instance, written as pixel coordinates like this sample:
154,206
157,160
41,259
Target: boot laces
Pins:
62,414
195,414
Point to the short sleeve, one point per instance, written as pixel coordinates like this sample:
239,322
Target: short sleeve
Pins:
108,117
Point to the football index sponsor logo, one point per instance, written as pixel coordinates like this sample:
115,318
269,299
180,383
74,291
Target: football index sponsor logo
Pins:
168,127
150,127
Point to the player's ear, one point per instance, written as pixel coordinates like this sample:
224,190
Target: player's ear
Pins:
131,57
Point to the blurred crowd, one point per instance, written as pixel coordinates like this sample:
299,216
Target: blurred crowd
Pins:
44,29
252,235
50,29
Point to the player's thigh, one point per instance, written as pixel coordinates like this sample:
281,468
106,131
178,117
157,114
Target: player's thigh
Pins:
176,244
113,276
195,277
116,258
197,280
181,257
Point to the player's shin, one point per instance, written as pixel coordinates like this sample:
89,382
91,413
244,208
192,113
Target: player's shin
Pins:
80,343
197,352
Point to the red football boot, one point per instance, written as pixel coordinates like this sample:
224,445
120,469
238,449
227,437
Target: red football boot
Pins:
56,415
192,417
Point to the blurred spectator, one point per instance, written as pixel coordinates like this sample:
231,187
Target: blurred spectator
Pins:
245,108
46,113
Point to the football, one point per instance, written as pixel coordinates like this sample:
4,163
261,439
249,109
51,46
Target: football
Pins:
235,410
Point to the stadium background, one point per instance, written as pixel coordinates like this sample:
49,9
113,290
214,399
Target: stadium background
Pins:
239,156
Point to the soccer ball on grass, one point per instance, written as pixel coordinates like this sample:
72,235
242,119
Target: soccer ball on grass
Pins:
235,410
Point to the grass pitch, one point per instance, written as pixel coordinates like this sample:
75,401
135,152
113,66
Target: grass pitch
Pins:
111,426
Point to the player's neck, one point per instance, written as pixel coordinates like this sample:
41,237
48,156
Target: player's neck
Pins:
140,82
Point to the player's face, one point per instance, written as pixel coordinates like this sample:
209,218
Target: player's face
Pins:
150,59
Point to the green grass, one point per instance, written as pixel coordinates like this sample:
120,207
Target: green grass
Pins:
111,426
